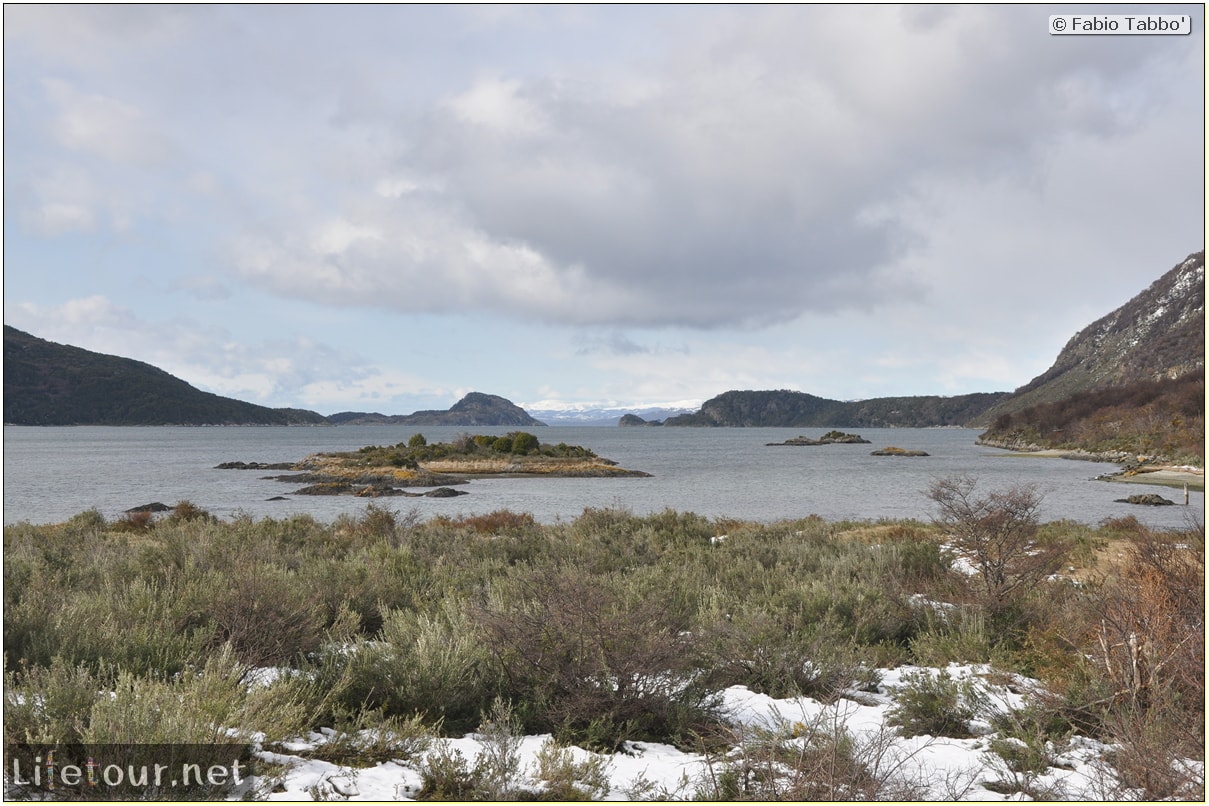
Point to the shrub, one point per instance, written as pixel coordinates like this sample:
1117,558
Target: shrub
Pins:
434,664
186,511
446,775
582,662
417,441
140,521
266,617
997,533
814,761
502,445
932,705
566,779
523,442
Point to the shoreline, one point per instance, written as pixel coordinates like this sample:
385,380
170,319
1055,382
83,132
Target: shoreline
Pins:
1175,476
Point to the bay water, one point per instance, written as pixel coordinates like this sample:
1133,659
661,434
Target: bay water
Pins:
52,473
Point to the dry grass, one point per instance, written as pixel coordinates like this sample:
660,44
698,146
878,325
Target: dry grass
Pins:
528,465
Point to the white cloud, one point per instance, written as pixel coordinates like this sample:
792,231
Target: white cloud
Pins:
58,218
499,106
106,126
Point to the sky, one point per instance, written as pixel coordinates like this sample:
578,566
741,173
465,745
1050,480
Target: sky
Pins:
384,207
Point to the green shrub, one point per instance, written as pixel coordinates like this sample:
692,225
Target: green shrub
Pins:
523,442
566,779
932,705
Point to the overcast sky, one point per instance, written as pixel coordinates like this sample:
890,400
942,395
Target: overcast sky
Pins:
381,208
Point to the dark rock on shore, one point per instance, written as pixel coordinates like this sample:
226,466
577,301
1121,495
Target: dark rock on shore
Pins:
893,451
1147,499
327,488
255,466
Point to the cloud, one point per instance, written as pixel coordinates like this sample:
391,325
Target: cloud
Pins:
758,175
106,126
899,190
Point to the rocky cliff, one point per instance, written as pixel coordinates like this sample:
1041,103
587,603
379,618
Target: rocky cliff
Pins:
1158,335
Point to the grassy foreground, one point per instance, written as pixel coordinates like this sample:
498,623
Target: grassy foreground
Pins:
608,628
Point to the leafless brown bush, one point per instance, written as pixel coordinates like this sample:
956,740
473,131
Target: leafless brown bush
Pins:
600,668
998,534
265,618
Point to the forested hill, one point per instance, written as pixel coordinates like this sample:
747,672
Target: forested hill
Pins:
55,384
784,408
476,408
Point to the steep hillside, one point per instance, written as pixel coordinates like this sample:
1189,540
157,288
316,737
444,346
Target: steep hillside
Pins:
475,408
1158,334
54,384
784,408
1131,383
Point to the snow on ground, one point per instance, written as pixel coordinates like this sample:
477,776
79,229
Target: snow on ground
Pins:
954,769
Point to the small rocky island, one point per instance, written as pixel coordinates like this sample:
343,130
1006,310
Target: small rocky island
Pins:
893,451
830,438
375,471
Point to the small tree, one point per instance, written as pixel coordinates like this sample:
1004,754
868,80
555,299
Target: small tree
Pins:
997,533
417,441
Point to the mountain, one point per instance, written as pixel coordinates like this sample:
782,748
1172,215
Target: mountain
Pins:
787,409
1130,383
605,415
1159,334
55,384
475,408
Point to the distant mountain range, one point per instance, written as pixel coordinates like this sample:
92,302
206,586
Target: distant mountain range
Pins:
607,416
1143,364
788,409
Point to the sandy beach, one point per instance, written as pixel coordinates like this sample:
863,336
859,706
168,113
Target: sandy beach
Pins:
1162,475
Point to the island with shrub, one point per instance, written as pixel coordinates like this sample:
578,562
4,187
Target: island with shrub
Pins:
375,470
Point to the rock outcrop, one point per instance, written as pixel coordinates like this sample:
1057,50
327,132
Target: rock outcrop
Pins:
830,438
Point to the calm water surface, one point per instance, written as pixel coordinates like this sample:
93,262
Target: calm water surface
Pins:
51,474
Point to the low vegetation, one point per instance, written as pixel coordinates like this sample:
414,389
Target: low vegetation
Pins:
609,628
1163,419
